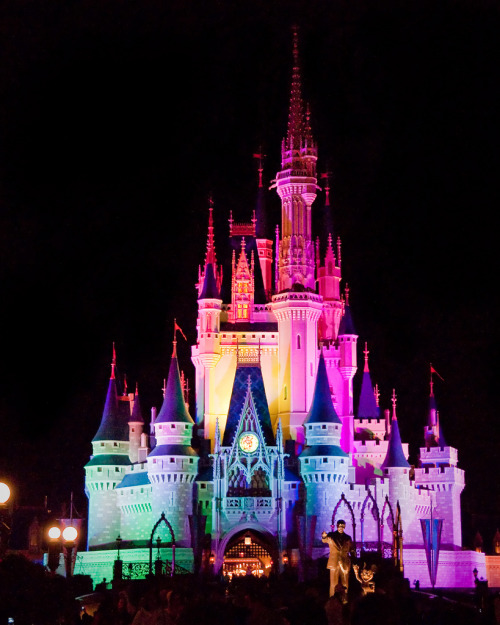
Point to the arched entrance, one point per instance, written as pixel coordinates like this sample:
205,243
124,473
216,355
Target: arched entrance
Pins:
249,553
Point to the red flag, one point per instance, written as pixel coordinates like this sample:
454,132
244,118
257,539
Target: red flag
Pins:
178,327
434,371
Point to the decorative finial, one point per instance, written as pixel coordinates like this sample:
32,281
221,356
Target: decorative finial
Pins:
210,258
296,111
164,388
326,178
346,294
113,362
366,352
136,389
339,250
394,401
260,156
124,384
376,392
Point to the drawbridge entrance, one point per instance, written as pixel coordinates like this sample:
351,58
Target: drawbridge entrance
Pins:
249,553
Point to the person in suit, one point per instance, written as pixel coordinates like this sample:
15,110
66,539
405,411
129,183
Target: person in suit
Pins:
339,562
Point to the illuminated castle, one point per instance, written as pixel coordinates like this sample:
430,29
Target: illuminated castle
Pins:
274,452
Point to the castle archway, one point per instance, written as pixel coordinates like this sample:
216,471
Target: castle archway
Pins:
249,552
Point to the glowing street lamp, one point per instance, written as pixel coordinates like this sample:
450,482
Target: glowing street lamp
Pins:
69,534
4,518
61,540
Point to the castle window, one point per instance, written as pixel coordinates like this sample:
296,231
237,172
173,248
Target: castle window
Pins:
325,459
186,427
99,469
298,341
117,469
172,426
307,460
342,461
172,459
294,485
133,429
190,461
323,427
284,392
102,444
115,444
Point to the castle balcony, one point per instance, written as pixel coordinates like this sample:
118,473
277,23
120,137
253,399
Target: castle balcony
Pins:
247,503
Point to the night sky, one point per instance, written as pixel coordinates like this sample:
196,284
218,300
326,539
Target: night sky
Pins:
119,120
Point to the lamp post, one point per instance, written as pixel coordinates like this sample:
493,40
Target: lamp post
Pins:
5,527
69,534
61,541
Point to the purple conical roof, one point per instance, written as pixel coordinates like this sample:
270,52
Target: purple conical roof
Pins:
113,426
395,455
174,408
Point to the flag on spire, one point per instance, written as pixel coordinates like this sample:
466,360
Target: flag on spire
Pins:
177,328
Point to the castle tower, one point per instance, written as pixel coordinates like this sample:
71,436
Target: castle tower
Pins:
242,287
439,472
106,469
136,428
329,277
173,463
323,464
348,340
296,306
207,352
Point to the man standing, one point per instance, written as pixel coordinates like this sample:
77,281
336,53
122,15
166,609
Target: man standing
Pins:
339,561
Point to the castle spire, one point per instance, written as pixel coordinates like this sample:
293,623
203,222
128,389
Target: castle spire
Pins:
174,407
296,106
368,407
210,288
113,426
395,457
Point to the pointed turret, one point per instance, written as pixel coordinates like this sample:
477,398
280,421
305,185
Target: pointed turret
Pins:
367,408
136,427
395,457
210,281
113,426
173,409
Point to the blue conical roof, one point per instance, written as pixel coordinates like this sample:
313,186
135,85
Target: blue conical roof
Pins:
113,426
367,407
174,408
346,325
247,377
209,290
322,410
136,416
395,455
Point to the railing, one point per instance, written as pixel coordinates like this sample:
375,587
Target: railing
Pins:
385,549
140,570
240,503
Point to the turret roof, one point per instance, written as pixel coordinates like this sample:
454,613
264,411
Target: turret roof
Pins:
137,478
395,455
136,416
109,460
346,325
209,290
323,450
322,410
173,450
174,408
113,426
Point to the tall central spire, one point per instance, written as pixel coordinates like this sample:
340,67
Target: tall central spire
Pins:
296,185
296,111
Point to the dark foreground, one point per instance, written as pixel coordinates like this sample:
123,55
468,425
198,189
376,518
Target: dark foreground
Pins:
30,596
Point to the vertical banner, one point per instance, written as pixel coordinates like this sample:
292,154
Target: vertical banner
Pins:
431,533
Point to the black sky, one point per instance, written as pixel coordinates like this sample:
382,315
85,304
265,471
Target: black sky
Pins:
117,121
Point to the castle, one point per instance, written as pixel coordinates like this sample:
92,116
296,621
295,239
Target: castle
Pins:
274,452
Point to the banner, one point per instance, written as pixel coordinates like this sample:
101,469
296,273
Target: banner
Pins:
431,532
